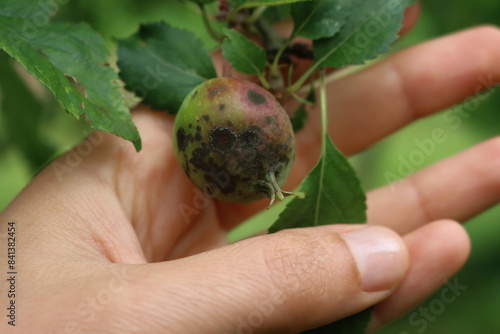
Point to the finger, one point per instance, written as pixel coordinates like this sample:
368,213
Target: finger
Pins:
373,103
285,282
457,188
437,252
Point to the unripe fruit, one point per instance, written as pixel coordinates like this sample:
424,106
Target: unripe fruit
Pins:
234,141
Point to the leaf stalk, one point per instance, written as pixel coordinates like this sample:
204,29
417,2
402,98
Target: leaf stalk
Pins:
324,109
207,24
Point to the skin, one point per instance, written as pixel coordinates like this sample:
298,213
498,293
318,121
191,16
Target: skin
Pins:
105,250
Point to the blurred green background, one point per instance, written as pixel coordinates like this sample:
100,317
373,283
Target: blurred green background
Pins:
33,129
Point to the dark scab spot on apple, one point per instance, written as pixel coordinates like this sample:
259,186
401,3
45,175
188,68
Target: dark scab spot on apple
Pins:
250,138
182,139
198,158
216,90
222,107
222,179
222,139
198,136
209,189
194,95
229,123
275,155
206,118
256,128
269,120
256,98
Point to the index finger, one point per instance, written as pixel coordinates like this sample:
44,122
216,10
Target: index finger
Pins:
414,83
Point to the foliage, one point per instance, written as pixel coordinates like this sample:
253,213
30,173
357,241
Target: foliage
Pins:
368,31
119,18
245,56
162,64
333,195
71,60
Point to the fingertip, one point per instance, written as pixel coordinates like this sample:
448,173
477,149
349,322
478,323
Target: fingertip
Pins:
456,252
446,238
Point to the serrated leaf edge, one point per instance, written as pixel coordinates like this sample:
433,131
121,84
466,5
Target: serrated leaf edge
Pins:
240,52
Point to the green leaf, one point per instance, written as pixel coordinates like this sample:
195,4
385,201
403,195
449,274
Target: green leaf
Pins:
320,18
299,118
43,9
71,60
244,55
333,195
276,14
21,116
369,30
355,324
205,2
239,4
162,64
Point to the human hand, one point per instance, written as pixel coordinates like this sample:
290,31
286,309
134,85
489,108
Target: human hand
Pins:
102,246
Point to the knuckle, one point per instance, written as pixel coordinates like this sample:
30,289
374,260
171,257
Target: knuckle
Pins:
298,264
491,30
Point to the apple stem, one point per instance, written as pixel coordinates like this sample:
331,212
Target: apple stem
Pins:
271,188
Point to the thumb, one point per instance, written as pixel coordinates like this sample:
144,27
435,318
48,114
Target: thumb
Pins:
290,281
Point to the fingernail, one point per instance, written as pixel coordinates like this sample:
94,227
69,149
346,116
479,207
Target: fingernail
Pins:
380,255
